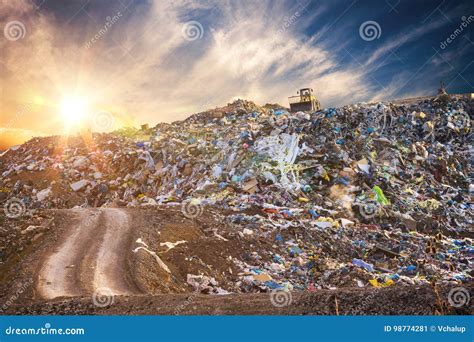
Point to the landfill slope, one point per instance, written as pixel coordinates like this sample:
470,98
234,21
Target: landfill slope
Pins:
300,213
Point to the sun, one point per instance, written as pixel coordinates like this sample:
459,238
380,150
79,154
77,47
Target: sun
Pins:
73,110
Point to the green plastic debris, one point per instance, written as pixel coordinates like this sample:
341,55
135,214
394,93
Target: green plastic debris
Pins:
380,196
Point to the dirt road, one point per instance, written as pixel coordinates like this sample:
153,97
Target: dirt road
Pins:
91,257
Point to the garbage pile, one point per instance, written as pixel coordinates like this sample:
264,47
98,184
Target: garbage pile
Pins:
364,194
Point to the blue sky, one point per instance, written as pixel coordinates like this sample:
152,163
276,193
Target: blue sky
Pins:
163,60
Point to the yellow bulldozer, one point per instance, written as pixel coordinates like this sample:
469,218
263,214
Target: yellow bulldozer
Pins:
305,101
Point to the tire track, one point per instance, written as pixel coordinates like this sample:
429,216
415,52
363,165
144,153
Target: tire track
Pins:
111,259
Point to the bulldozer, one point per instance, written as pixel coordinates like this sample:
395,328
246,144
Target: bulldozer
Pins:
304,101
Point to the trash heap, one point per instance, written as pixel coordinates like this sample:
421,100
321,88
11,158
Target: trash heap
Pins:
364,194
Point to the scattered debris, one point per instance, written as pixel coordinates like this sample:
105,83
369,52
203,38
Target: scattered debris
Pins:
157,258
171,245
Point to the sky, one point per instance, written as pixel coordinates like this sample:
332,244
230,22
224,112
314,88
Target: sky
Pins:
128,62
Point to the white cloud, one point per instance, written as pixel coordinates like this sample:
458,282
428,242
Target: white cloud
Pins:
144,69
